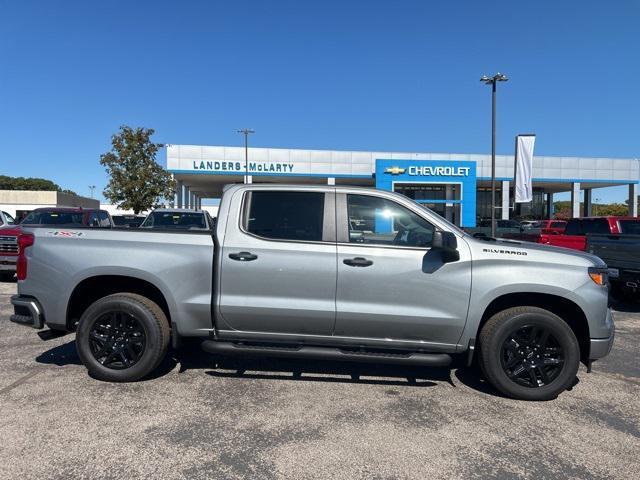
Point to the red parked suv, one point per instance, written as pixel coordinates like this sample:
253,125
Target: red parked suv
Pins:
551,226
54,216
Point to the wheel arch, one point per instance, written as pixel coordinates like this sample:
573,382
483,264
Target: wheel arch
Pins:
93,288
567,310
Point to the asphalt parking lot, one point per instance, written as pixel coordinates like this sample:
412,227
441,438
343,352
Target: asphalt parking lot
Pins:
203,417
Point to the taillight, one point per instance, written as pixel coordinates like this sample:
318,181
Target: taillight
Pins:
25,240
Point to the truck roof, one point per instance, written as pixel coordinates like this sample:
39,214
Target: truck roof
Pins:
177,210
67,209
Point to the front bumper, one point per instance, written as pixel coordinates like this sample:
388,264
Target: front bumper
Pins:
7,263
27,311
626,278
600,347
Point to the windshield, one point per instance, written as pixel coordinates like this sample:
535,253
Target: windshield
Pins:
54,218
630,226
177,220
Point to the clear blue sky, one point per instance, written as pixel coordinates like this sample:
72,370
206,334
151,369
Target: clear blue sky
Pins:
362,75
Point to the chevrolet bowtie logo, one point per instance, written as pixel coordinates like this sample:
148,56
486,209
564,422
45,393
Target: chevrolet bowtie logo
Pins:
394,170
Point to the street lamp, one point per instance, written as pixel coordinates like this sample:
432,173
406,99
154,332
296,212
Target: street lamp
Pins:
498,77
92,188
246,132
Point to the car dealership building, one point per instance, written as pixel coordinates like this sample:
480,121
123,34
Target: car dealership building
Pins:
457,186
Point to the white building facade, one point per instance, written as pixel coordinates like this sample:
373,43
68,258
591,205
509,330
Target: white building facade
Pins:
455,185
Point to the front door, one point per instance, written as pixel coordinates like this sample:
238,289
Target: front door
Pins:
388,287
278,267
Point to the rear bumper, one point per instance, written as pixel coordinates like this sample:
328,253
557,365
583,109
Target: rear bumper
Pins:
600,347
27,311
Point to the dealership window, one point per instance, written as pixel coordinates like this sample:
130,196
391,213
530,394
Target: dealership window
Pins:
443,199
285,215
533,209
378,221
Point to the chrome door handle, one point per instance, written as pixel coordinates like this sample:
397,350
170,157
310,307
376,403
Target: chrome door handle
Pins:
357,262
243,256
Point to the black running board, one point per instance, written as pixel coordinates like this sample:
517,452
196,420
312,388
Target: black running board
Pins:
327,353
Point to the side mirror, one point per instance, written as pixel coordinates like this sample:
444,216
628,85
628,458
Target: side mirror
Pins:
444,241
447,244
444,249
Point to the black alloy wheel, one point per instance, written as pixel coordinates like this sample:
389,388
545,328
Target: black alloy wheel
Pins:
117,340
528,353
532,357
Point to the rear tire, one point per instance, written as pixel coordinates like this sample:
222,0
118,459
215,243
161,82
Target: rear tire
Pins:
122,337
529,353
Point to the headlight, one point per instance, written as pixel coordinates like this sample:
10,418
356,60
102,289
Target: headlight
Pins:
598,275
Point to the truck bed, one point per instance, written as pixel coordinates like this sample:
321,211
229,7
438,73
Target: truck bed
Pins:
178,263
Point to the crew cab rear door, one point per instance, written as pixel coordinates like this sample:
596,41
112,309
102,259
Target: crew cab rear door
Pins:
278,262
387,287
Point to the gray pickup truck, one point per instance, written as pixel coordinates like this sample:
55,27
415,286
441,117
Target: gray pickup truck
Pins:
320,272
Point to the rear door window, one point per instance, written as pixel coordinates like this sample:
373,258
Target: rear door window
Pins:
285,215
574,227
596,225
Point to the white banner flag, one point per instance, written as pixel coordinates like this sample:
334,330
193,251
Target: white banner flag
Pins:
524,167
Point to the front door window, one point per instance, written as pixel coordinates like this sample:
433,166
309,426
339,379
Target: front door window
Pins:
375,220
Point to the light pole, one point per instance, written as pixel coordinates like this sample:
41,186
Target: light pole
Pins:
92,188
498,77
595,207
246,132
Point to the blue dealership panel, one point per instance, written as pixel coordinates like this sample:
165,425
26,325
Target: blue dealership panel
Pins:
428,172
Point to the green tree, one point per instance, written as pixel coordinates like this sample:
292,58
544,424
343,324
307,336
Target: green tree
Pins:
137,181
30,183
616,209
562,209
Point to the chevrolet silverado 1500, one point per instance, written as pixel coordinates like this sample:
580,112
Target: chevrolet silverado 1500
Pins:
319,272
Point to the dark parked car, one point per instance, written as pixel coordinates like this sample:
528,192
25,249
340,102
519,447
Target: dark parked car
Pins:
621,253
178,219
128,221
503,228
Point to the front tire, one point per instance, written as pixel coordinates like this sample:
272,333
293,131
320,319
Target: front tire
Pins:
529,353
122,337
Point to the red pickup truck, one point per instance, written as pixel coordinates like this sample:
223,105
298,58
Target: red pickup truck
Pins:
574,235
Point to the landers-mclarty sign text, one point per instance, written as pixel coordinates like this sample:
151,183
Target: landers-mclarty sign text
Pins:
239,167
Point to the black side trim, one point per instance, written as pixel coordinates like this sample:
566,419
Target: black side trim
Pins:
328,353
